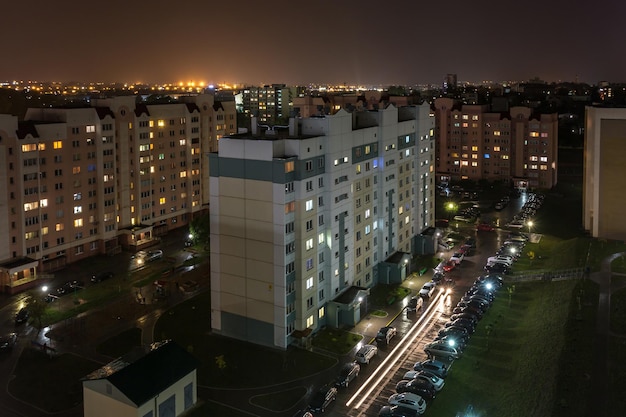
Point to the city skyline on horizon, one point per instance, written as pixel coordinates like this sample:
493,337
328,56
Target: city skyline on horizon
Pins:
403,43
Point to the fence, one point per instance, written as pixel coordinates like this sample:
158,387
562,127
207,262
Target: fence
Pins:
548,275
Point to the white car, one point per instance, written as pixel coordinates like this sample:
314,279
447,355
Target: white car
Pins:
458,257
428,289
409,400
366,353
441,350
507,260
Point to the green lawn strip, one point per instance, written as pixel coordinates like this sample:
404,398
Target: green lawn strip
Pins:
619,265
599,249
281,400
383,295
224,359
56,386
576,357
560,215
511,371
120,344
336,340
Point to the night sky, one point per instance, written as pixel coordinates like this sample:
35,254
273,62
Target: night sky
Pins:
367,42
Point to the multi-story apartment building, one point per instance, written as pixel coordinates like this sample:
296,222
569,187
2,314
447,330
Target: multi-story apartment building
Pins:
84,181
604,172
474,143
268,103
305,220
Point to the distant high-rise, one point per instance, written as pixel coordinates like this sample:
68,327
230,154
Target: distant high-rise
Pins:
604,172
449,83
519,145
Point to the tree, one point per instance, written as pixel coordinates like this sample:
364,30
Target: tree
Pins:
199,229
36,308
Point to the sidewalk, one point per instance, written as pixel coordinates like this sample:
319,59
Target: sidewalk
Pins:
369,325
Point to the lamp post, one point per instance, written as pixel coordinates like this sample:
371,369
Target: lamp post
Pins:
450,209
530,225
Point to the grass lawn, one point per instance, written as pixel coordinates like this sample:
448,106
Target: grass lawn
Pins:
619,265
281,400
57,386
205,409
512,370
189,324
618,308
387,294
120,344
336,340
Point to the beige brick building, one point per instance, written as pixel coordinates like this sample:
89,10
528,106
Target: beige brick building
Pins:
84,181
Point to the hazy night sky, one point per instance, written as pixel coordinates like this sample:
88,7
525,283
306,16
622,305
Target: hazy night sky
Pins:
325,41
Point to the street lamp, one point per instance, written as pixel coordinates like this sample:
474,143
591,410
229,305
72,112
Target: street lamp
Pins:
450,208
530,225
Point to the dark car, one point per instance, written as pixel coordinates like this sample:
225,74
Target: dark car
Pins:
348,372
435,367
7,342
102,276
397,411
385,334
497,269
417,386
457,342
467,316
469,325
322,398
22,316
475,304
455,331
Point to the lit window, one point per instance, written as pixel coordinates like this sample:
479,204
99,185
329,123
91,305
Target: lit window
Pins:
534,134
309,283
367,213
321,313
57,144
78,223
464,163
78,209
368,229
496,133
90,129
309,244
544,159
496,149
320,238
59,227
309,321
309,205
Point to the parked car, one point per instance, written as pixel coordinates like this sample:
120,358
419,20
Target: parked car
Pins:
153,255
462,323
471,310
498,268
366,353
437,277
322,398
7,342
433,366
456,342
455,332
385,334
465,315
348,372
409,400
458,257
476,304
428,289
415,304
397,411
22,315
102,276
505,259
485,227
441,350
416,386
449,266
436,381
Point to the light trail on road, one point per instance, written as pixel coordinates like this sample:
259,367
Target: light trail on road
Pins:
374,379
